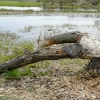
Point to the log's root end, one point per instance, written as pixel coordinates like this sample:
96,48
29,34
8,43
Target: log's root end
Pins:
88,74
91,73
93,68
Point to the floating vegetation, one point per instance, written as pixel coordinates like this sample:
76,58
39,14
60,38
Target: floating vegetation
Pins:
27,29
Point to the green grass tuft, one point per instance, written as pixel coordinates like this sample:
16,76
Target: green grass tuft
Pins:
18,73
14,74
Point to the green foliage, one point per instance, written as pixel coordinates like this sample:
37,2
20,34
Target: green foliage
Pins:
95,2
11,48
21,4
17,51
43,74
18,73
14,74
26,71
27,45
21,48
41,69
8,0
61,2
45,1
4,58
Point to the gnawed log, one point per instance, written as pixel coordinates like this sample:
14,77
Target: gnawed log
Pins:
73,50
77,45
68,37
90,43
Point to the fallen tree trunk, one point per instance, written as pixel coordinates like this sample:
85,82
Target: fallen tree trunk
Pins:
48,53
77,45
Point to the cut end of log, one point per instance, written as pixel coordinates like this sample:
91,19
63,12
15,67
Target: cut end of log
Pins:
46,43
69,37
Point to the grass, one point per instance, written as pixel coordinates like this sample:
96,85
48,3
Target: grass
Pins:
19,4
38,4
18,73
74,7
51,8
11,48
14,74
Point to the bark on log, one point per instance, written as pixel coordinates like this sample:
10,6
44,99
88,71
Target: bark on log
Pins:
73,50
78,45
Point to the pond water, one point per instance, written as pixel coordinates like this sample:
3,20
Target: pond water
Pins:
16,22
21,8
32,26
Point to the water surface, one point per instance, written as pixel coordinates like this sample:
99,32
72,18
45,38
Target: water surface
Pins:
31,26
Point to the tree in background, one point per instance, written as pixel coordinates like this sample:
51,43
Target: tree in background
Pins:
95,2
62,2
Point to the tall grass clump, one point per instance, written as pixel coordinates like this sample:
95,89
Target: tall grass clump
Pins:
18,73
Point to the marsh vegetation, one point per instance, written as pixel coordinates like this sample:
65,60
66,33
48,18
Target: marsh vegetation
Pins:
47,80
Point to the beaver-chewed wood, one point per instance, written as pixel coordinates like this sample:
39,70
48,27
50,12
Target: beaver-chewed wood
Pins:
73,50
76,45
68,37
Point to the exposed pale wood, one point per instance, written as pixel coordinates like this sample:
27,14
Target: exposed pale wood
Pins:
68,37
90,43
